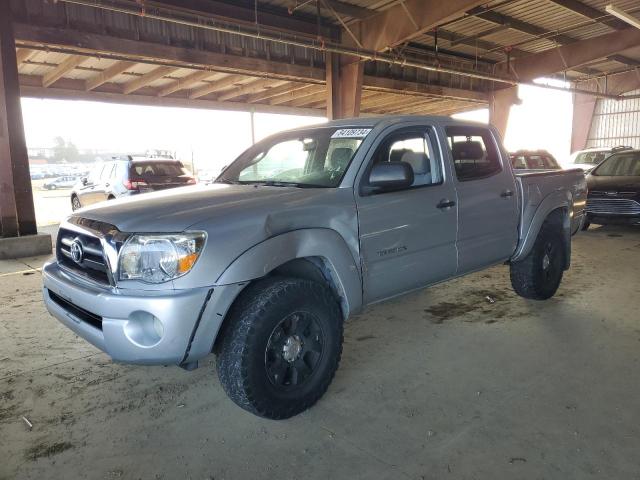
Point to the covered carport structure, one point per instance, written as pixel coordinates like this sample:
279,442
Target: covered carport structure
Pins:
329,58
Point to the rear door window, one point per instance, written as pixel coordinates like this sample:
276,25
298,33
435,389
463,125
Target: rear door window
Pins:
474,152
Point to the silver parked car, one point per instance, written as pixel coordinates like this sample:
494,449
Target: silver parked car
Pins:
60,182
303,230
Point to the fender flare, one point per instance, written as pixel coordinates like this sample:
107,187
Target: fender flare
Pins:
554,201
325,243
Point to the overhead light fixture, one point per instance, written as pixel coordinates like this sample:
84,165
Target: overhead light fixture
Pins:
624,16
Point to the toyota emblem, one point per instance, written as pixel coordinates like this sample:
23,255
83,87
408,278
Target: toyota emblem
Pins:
77,252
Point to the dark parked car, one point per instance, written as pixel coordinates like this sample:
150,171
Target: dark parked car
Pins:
533,160
125,176
614,190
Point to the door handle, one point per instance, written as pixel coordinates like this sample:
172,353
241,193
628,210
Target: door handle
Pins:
506,193
446,204
107,184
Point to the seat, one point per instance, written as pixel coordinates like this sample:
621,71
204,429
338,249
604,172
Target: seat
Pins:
466,157
421,167
340,158
468,150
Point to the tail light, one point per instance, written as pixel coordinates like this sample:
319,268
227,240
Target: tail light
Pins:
192,181
134,184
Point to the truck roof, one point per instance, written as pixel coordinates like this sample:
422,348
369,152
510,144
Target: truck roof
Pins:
390,119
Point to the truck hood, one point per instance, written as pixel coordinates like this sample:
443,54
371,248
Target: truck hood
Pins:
178,209
235,218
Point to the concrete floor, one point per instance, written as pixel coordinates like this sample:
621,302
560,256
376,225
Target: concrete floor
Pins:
439,384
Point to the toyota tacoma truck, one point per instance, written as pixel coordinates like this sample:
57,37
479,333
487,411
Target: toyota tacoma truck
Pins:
263,266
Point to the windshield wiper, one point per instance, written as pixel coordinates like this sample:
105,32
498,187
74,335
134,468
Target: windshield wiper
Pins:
227,181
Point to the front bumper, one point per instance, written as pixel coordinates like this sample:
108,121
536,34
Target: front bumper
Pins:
144,327
613,219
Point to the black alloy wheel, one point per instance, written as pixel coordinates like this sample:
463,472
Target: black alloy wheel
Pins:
294,350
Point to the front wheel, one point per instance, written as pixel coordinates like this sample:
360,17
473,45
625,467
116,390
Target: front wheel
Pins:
585,224
539,274
75,203
280,347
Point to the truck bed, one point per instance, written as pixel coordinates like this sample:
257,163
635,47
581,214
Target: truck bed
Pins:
537,185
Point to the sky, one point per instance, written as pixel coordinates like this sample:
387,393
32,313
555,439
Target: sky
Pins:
214,138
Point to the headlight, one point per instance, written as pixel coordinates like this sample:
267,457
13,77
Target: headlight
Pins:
159,258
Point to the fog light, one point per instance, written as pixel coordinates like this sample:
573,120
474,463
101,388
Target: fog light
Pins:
158,327
144,329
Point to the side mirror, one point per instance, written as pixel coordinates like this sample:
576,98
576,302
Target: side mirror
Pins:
390,176
84,180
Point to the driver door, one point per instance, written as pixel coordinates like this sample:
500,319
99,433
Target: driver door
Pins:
407,237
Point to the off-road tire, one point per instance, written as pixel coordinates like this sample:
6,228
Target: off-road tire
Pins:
529,278
245,338
585,224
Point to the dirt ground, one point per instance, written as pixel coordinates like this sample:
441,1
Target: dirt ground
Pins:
438,384
51,205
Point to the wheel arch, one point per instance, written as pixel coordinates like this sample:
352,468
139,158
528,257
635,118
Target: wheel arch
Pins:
554,209
315,254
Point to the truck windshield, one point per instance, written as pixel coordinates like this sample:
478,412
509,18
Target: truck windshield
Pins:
620,165
316,157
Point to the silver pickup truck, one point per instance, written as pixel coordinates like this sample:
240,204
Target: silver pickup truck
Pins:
304,229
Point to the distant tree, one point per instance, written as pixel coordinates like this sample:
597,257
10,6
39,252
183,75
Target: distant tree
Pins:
64,151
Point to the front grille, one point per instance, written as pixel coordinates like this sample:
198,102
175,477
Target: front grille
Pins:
80,313
615,206
92,264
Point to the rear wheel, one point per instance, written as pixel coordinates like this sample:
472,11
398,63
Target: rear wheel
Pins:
75,203
280,347
538,276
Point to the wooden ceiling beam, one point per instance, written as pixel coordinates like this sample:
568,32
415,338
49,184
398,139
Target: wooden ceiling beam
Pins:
68,64
108,74
148,78
404,86
226,82
408,107
24,54
73,89
251,88
388,99
305,100
185,82
276,91
301,93
145,51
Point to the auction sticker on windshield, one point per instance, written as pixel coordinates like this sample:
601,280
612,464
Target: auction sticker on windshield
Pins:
351,133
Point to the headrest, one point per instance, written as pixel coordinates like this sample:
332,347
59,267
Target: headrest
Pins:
340,157
468,150
418,161
396,155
